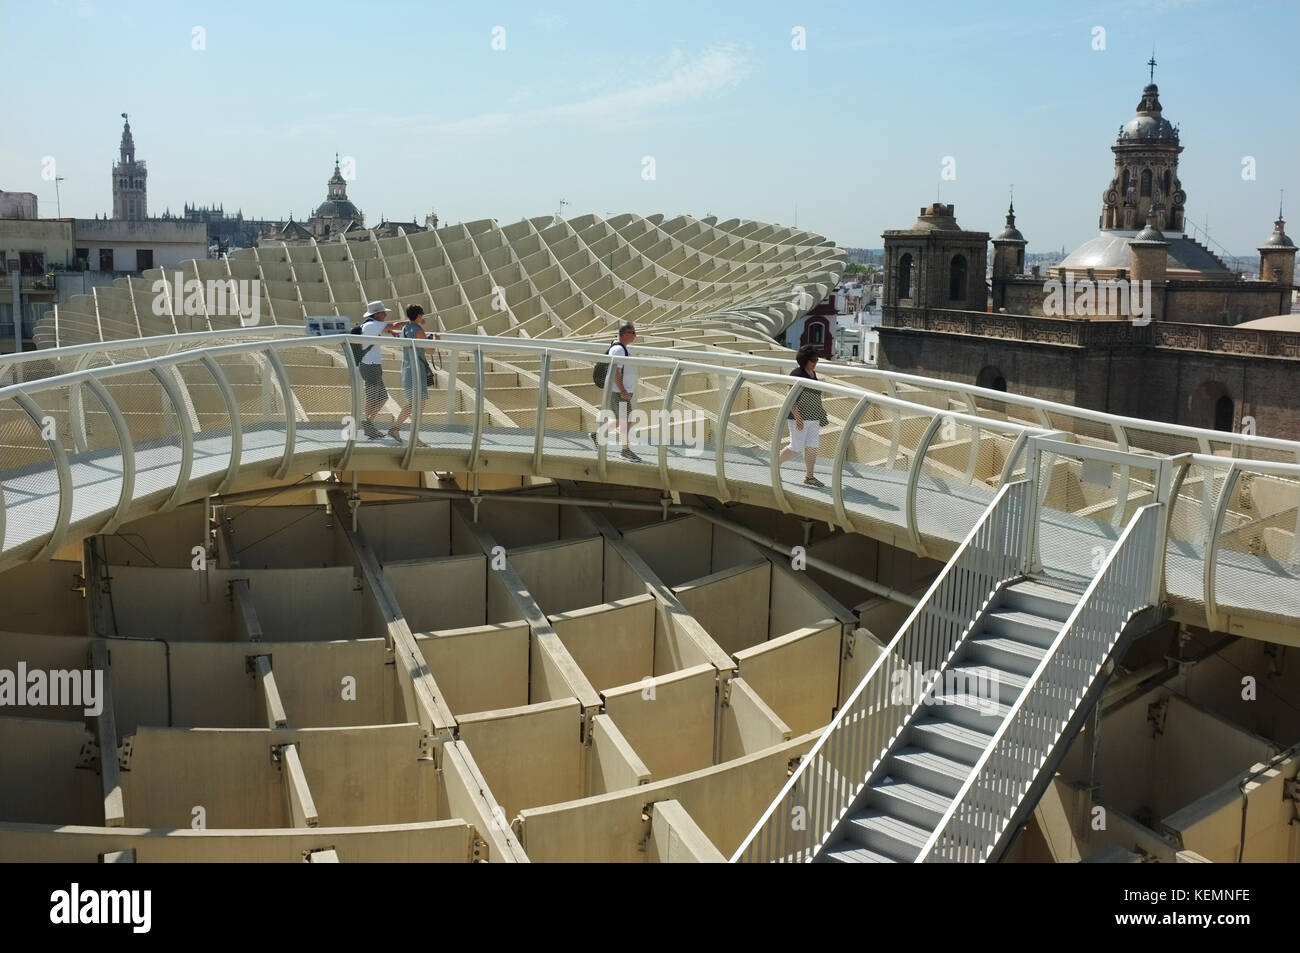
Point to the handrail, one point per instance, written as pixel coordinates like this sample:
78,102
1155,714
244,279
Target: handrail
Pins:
4,507
720,442
1261,467
186,436
887,413
584,349
774,450
606,393
355,409
64,512
914,479
417,395
574,350
232,412
666,406
567,350
840,764
1208,562
1033,403
1054,445
132,344
841,454
974,453
981,809
125,446
543,402
476,438
290,417
1121,497
492,345
1209,516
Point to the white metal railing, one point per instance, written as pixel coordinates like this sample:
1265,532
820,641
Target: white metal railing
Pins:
1046,449
1244,445
841,763
981,810
1255,526
1121,429
908,438
31,366
176,382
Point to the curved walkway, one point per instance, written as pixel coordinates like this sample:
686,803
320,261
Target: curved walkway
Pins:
81,453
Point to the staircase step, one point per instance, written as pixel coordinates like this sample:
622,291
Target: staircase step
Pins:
849,853
986,680
949,740
887,835
982,714
1011,655
909,802
1028,595
929,769
1025,626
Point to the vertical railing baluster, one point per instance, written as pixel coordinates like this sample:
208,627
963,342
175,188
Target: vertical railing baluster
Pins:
62,468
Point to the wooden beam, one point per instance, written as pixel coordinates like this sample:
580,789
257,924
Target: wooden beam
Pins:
674,618
842,613
543,633
273,707
614,764
225,548
836,609
247,626
749,725
676,838
106,737
671,608
1059,802
470,799
423,698
99,621
302,809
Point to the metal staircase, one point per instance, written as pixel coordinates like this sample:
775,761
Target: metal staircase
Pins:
943,749
894,816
